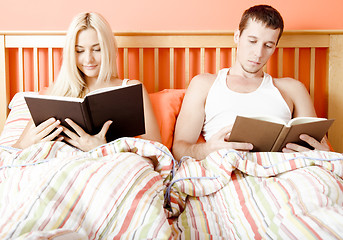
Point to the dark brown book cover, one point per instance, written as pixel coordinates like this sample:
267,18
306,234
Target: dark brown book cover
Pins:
268,136
122,105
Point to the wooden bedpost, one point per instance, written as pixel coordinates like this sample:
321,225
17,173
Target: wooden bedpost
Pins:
335,108
4,85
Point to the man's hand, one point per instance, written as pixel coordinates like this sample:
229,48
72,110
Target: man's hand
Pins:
321,146
220,141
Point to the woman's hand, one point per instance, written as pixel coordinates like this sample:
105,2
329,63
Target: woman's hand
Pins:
83,140
44,132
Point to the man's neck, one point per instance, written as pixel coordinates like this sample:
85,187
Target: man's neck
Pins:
238,70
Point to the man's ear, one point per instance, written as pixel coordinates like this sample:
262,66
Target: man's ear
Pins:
236,36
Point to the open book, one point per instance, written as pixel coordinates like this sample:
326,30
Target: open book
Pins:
268,134
122,105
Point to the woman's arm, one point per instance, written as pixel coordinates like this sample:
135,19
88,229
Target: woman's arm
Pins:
152,131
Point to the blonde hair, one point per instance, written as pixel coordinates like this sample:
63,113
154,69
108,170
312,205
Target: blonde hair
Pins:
70,81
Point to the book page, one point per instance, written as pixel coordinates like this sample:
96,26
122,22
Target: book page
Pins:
60,98
106,89
301,120
269,119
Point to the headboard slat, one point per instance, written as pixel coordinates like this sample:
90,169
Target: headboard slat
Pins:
312,72
21,69
126,63
4,84
35,70
186,67
141,66
156,67
51,65
296,63
202,60
217,59
280,63
171,67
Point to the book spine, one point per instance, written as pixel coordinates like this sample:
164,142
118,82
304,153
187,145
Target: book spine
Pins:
87,116
280,139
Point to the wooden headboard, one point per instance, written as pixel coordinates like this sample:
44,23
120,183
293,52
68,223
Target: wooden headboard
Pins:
30,61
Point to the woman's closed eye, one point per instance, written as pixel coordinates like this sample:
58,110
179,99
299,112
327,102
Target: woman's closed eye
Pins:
79,49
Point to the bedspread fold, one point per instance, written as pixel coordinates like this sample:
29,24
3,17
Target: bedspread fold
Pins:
243,195
115,190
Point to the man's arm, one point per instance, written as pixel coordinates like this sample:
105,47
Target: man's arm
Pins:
296,94
190,122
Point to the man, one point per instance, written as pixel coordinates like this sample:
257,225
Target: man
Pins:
213,101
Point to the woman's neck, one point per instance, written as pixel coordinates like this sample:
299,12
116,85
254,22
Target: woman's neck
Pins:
93,84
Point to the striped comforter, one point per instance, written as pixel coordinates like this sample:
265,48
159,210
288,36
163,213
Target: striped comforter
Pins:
129,189
236,195
53,190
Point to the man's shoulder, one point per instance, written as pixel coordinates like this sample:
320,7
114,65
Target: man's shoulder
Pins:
291,87
204,78
288,82
200,85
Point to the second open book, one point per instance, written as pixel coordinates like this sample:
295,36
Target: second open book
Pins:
269,134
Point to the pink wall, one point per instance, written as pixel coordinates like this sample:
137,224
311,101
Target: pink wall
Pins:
169,15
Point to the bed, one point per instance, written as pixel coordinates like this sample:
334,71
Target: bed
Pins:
132,188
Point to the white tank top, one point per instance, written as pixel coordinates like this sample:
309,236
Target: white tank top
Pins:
223,105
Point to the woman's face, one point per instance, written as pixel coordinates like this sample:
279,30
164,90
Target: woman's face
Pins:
88,53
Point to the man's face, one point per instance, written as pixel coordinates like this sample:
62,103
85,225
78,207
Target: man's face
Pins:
255,45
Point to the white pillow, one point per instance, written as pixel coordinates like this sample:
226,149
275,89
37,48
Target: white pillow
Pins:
16,120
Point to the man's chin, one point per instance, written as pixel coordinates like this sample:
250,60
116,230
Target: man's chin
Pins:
252,70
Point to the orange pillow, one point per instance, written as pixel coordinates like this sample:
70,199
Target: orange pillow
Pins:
167,105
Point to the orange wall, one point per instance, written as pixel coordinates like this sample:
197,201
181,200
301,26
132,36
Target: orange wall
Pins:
169,15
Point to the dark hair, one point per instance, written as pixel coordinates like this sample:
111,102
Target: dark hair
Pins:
265,14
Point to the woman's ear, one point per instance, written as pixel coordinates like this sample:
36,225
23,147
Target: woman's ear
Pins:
236,36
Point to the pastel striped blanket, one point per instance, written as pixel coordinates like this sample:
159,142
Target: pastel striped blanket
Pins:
115,191
237,195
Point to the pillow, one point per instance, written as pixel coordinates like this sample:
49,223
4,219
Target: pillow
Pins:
167,105
16,120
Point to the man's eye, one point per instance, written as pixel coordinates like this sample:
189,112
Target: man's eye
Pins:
79,51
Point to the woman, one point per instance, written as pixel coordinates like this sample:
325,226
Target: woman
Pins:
89,63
